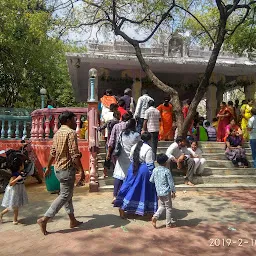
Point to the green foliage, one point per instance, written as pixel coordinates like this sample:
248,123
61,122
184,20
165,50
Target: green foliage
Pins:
31,58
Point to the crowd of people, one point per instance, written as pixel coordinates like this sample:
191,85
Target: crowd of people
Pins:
132,132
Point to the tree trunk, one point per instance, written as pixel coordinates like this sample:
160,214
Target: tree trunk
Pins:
201,90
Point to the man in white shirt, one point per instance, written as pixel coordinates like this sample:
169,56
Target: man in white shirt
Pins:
179,155
151,124
142,106
252,131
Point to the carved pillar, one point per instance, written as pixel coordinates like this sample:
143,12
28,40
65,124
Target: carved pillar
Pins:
9,132
211,102
93,146
93,123
136,89
41,127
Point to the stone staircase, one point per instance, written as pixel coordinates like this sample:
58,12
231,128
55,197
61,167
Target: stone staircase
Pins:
219,173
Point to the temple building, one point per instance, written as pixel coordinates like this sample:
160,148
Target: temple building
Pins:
173,62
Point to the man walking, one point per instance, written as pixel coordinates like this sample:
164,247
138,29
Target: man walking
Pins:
67,159
142,106
129,101
151,124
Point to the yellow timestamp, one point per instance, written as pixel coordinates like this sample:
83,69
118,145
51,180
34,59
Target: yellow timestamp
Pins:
221,242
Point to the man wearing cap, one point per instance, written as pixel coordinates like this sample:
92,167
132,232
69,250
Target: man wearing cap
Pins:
129,101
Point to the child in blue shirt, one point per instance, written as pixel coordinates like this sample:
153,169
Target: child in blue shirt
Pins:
165,189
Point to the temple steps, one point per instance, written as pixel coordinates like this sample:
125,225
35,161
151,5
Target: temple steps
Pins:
219,173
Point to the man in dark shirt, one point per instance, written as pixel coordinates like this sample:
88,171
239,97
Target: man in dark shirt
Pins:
129,101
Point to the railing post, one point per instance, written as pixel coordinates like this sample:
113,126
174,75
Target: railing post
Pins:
17,129
24,133
41,128
47,126
56,119
78,122
2,131
93,123
9,132
93,147
36,127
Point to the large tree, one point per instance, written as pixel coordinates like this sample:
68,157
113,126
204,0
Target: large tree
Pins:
31,55
217,19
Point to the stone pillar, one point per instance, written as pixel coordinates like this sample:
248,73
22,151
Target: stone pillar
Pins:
136,89
211,102
249,91
92,125
136,75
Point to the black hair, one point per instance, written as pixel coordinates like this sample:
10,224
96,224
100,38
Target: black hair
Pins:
14,160
224,103
113,107
131,127
215,119
207,123
145,137
65,116
121,103
232,118
180,139
230,103
144,91
151,103
126,117
194,141
161,158
244,102
200,123
167,98
117,114
109,92
253,111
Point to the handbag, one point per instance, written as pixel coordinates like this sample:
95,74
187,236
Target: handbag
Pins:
118,146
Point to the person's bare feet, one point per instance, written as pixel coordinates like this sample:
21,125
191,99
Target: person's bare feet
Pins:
122,214
42,224
113,201
1,218
189,183
171,226
75,223
153,221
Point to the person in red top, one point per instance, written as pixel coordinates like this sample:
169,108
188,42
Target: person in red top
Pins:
121,106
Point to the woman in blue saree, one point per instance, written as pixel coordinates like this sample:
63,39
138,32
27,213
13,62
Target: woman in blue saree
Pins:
137,195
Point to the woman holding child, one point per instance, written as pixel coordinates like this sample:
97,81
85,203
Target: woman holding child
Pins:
137,195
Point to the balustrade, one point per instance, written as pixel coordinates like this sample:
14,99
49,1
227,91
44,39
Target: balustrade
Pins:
45,122
14,123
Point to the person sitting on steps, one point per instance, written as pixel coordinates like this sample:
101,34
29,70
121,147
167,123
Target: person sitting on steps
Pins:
179,155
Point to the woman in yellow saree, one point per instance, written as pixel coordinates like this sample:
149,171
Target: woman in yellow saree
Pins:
246,115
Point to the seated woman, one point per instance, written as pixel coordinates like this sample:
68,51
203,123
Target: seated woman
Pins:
137,194
196,152
234,126
234,150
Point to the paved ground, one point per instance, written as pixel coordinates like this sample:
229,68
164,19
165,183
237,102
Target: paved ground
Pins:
211,223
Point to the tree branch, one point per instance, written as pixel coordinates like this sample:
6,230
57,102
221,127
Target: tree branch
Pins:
241,21
200,23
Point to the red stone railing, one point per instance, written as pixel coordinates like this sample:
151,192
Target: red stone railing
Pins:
45,120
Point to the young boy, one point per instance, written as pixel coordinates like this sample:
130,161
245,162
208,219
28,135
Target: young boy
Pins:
165,189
